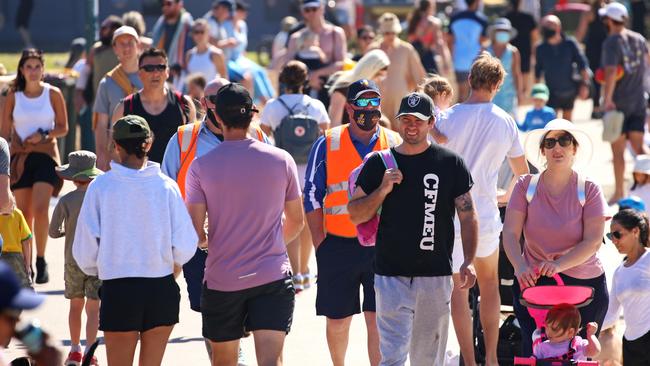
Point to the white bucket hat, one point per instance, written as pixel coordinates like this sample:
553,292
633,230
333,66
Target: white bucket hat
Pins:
584,152
642,164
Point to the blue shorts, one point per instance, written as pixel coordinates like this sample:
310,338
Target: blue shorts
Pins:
193,272
343,266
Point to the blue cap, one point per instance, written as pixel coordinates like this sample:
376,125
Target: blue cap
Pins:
12,296
362,86
633,202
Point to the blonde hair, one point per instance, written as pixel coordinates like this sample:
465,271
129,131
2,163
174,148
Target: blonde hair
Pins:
305,36
202,23
369,65
436,85
134,19
487,72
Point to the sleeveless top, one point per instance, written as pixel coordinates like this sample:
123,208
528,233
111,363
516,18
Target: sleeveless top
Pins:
32,114
507,95
201,63
163,125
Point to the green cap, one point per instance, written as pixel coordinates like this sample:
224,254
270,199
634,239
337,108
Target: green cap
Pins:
130,127
540,91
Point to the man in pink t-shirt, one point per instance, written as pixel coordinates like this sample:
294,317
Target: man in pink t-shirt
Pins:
251,193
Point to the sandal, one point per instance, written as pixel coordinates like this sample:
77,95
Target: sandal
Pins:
307,279
298,282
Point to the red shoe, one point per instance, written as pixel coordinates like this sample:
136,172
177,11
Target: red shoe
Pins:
74,359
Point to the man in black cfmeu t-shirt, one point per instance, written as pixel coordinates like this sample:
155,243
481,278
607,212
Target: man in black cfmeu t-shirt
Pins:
416,236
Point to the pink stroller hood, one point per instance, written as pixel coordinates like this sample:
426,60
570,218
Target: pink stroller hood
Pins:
539,299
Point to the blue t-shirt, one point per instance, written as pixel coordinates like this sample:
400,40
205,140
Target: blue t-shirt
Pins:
467,27
537,118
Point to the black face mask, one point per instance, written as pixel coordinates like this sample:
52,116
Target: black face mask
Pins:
213,118
548,33
366,120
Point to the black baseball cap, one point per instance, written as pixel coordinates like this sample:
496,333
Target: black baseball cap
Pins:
233,101
418,105
12,296
362,86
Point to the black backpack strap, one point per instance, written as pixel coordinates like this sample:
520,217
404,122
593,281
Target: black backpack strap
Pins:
185,111
290,110
128,104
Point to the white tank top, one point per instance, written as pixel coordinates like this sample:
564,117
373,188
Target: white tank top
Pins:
30,114
201,63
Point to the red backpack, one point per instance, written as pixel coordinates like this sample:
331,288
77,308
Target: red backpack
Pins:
367,231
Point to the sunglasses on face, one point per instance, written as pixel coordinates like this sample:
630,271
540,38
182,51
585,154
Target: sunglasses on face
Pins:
364,102
367,38
564,141
152,68
614,235
310,10
198,31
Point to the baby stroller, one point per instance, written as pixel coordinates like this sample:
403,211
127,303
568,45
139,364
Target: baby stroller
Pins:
539,299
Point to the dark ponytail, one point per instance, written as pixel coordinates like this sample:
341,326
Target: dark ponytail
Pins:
135,146
20,82
417,15
630,219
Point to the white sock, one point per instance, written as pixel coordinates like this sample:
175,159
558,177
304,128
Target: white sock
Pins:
75,348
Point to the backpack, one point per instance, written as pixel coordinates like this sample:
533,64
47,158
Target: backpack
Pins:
182,105
296,133
581,188
367,231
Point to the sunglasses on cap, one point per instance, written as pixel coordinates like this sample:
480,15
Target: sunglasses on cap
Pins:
152,68
614,235
564,141
364,102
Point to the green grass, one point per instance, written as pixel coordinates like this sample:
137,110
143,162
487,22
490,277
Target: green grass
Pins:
53,61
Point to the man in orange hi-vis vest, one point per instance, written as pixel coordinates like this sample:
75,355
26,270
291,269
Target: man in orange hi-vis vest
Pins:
191,141
343,264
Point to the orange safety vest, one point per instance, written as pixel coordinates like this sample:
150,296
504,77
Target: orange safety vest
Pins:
341,158
188,136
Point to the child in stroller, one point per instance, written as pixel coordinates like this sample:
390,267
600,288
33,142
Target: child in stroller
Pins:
555,342
559,338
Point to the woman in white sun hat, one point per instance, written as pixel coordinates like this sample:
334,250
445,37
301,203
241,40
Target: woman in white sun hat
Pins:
562,216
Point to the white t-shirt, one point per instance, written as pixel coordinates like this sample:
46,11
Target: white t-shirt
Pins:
274,111
643,192
631,291
483,135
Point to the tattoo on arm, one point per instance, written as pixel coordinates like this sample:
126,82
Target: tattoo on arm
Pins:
464,202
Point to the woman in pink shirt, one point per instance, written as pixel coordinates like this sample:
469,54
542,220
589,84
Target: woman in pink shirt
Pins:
562,220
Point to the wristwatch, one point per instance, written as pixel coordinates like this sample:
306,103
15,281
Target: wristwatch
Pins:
44,134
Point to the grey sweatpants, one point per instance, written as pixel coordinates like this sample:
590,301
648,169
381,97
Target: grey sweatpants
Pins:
413,319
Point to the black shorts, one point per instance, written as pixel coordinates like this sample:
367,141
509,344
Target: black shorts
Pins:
343,266
227,315
635,353
39,167
562,99
193,272
634,122
138,304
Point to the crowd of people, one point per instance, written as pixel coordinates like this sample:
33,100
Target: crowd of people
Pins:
370,164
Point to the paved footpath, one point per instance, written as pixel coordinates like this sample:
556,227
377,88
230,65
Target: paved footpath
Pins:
306,343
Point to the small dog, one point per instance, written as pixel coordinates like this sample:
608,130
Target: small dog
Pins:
611,341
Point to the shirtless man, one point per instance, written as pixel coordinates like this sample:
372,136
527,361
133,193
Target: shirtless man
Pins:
330,38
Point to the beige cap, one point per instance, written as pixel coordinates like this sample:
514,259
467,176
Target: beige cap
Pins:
125,30
389,23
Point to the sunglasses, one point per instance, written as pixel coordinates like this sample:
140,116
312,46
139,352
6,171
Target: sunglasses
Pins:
367,38
198,31
364,102
614,235
152,68
564,141
310,9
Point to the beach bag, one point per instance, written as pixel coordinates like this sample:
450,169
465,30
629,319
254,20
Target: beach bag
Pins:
367,231
612,125
296,133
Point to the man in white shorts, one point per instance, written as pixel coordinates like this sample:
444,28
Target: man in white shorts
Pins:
484,135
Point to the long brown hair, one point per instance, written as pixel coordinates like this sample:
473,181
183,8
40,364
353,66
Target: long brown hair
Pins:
20,82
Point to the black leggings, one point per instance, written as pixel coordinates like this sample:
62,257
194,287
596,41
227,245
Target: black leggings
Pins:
635,353
594,312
